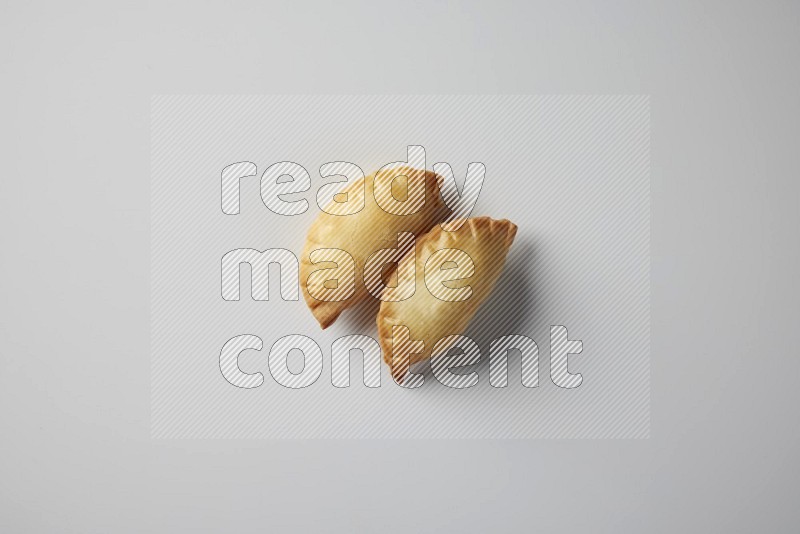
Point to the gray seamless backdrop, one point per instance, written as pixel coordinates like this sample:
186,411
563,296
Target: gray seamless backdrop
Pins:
76,453
572,172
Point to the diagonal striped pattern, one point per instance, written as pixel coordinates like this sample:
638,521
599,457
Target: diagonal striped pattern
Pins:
403,350
528,355
334,198
399,203
230,184
461,202
274,185
443,360
447,274
400,263
259,261
279,361
334,277
481,245
229,361
572,171
342,348
560,349
400,187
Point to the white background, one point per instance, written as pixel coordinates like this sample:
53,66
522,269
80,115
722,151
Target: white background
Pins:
75,451
573,173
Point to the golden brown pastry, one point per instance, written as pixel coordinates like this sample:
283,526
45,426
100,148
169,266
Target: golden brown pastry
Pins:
394,201
455,272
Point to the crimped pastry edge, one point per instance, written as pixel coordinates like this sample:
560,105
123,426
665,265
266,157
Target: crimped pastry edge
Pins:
475,224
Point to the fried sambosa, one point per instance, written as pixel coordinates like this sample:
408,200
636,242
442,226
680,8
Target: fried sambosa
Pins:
454,273
341,239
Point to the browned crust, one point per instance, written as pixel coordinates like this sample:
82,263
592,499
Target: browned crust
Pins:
475,226
325,312
385,334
